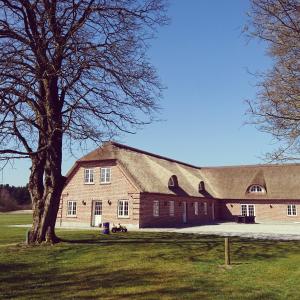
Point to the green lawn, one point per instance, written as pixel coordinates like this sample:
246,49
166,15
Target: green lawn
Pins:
144,266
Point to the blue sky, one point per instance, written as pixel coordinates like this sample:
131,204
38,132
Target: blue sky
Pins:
202,59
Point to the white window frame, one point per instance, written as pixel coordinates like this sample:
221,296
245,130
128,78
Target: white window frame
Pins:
71,208
88,176
171,208
247,209
290,210
155,208
196,208
205,208
123,209
106,178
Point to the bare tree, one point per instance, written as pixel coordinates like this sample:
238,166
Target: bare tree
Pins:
276,109
71,71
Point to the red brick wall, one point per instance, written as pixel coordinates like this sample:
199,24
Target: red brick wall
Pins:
263,210
120,188
165,220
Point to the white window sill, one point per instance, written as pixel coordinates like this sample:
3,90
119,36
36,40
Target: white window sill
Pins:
71,216
89,183
123,217
105,183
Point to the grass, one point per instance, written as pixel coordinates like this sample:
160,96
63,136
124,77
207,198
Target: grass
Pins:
138,265
9,235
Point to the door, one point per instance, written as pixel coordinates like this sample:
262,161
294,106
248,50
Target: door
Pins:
97,213
184,215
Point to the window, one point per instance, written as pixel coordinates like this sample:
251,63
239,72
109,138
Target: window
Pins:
251,210
173,182
171,208
247,210
71,208
291,210
196,207
155,208
105,175
256,189
123,209
98,208
205,208
201,186
244,210
88,175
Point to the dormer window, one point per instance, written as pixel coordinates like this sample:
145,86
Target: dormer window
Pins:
256,189
173,182
201,186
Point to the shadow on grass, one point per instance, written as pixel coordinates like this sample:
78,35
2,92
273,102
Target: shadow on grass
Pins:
242,249
103,282
15,267
95,282
141,238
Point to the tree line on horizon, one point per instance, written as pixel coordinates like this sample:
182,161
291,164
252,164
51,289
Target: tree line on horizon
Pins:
14,197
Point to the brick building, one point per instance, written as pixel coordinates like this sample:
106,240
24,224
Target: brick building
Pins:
121,184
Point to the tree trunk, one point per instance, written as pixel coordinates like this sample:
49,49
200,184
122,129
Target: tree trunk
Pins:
46,181
45,188
43,228
36,190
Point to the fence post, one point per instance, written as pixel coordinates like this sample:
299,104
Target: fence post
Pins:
227,252
27,236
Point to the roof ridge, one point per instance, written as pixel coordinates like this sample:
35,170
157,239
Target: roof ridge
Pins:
119,145
252,166
153,154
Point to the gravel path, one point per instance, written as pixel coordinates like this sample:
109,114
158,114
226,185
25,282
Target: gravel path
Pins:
259,231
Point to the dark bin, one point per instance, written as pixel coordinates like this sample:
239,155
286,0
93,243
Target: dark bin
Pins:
245,219
250,219
240,219
105,228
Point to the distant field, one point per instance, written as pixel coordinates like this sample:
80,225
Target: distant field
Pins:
141,265
10,235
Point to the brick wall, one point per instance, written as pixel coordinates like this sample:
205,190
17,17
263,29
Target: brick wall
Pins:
165,220
120,188
265,210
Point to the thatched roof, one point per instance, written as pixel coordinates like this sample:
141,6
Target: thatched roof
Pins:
152,172
281,181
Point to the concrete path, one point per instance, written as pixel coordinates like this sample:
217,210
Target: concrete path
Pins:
259,231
